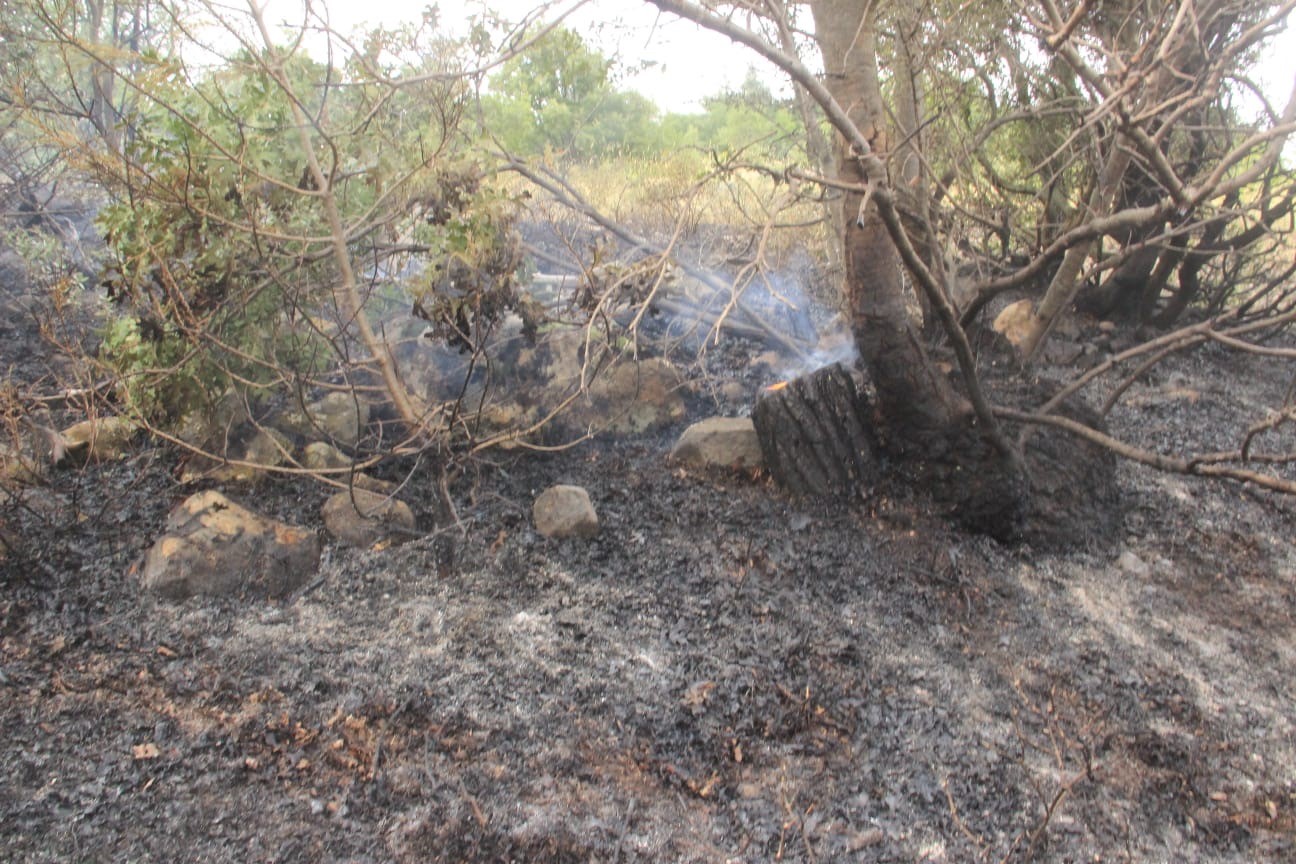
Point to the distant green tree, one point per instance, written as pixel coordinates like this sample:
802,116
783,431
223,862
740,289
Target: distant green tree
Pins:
561,96
751,120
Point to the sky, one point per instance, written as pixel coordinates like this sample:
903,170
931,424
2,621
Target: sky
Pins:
675,63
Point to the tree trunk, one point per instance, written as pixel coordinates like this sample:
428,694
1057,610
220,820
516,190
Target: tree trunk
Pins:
911,393
913,185
935,438
923,423
1066,281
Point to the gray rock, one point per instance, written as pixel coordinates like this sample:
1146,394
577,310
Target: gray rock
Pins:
1062,352
733,393
322,456
209,427
24,464
342,417
28,449
268,448
769,362
727,442
212,546
327,459
565,511
362,518
566,380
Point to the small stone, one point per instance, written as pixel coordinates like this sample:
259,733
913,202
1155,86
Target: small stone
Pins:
565,511
1014,322
1062,352
362,518
322,456
99,439
207,427
734,393
267,449
28,449
864,839
1132,564
1107,327
213,546
24,465
325,458
373,484
726,442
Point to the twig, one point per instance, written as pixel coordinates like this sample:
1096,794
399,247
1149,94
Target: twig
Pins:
1037,835
1171,464
569,197
977,839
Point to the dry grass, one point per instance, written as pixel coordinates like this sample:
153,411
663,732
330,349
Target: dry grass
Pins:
684,198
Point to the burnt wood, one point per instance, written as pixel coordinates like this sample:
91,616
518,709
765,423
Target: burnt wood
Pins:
816,434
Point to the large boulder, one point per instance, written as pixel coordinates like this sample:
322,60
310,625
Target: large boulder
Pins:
565,511
362,518
720,442
213,546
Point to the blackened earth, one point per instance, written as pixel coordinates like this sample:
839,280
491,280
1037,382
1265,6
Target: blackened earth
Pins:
724,674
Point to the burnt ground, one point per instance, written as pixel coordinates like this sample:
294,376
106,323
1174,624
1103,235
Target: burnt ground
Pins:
723,674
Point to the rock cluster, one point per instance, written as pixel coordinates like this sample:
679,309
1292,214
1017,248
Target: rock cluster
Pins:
567,379
341,418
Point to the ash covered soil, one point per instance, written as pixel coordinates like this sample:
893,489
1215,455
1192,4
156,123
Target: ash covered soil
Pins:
723,674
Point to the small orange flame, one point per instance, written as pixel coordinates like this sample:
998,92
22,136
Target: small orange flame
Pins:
774,388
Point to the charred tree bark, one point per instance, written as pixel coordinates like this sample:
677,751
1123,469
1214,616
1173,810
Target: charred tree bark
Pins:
816,434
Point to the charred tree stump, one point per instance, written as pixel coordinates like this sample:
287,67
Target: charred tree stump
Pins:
816,434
